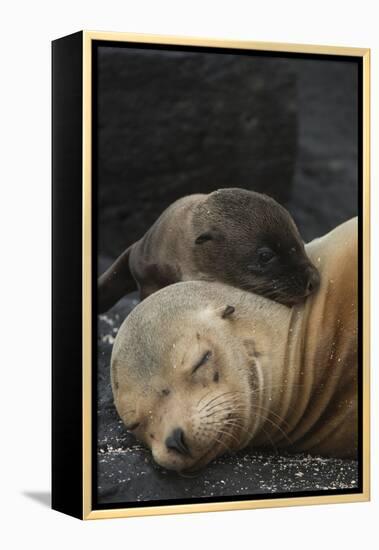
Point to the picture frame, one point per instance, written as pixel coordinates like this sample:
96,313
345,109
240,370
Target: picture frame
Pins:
76,149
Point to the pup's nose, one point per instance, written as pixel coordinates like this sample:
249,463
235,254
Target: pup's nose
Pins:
176,442
313,281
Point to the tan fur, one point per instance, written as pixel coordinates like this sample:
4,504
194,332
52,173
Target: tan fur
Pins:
286,378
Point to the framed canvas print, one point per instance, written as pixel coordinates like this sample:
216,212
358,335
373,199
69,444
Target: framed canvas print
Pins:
210,275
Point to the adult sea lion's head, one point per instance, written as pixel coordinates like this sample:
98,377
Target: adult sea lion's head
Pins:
181,379
248,240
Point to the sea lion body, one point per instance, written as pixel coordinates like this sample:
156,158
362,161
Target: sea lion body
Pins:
233,236
201,368
154,266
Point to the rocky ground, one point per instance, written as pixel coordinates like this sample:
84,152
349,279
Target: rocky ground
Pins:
127,473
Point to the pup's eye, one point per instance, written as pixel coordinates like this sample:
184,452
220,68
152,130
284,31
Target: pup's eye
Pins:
131,427
202,361
265,255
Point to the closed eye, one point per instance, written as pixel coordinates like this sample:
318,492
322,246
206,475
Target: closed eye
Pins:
265,255
202,361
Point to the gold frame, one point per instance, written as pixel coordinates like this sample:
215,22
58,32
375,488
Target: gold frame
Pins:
364,53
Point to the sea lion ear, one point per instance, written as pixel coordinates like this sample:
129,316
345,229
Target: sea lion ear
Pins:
206,236
227,311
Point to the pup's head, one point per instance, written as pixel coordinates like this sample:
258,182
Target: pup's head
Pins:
248,240
179,377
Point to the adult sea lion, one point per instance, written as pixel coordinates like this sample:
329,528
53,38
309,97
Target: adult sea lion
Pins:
201,368
234,236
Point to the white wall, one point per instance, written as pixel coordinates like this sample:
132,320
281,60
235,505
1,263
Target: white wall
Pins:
27,28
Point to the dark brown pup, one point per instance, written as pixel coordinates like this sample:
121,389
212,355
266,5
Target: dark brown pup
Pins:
233,236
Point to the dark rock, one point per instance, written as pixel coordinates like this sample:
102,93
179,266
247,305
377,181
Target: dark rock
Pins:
171,124
325,188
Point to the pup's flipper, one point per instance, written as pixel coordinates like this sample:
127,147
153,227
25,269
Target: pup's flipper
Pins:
115,282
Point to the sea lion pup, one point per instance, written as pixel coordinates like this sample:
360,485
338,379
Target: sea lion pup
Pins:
234,236
202,368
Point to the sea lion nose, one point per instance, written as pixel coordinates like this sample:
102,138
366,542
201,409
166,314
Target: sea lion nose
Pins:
313,282
176,442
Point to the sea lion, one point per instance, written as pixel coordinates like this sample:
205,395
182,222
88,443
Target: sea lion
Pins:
201,368
234,236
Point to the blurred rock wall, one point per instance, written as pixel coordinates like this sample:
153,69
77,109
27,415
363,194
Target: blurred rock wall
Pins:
175,123
172,124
